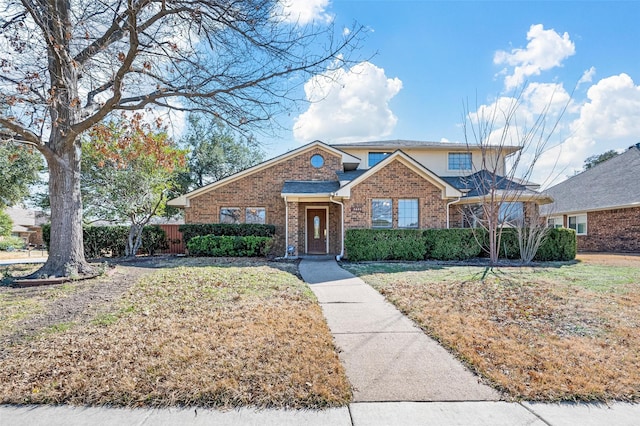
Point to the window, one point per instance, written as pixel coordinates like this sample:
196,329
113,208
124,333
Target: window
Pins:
460,161
555,222
408,213
578,223
229,215
317,161
376,157
381,216
510,212
255,215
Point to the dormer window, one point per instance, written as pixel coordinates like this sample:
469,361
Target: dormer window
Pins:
460,161
376,157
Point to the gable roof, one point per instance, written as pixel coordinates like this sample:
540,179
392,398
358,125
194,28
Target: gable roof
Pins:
396,144
448,191
183,200
608,185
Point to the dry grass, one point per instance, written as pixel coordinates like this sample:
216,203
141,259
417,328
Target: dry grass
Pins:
188,336
554,333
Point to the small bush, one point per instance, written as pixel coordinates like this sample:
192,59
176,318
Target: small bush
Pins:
559,245
218,246
11,243
101,241
6,224
453,244
226,229
384,244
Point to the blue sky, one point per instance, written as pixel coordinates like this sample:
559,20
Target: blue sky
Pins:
428,57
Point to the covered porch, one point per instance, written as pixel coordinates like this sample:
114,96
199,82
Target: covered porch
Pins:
314,218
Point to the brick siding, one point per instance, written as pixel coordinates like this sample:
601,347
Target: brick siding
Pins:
396,181
615,230
262,189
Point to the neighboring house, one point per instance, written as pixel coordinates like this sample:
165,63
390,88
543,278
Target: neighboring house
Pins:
27,224
314,193
602,204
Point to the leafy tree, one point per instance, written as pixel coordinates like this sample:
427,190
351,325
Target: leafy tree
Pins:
65,66
5,224
127,170
594,160
19,167
216,152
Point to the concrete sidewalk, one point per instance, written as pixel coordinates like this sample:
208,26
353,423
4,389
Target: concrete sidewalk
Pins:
386,357
479,413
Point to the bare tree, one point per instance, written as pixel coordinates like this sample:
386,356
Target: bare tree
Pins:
65,65
504,195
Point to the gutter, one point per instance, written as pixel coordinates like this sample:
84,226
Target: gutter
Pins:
449,204
341,255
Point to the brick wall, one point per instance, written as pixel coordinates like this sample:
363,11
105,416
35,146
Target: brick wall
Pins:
612,231
262,189
396,181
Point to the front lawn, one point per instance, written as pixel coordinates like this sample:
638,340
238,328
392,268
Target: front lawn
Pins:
560,332
238,333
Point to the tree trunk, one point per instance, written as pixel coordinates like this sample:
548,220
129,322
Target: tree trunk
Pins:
66,249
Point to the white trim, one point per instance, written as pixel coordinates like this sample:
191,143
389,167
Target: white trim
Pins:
306,228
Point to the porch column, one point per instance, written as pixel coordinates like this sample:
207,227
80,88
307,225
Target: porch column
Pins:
292,223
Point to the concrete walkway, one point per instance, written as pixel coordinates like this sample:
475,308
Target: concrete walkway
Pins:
386,357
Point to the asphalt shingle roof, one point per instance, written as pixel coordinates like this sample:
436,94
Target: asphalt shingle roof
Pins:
479,183
310,187
613,183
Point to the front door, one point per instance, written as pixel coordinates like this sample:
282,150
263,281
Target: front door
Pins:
316,231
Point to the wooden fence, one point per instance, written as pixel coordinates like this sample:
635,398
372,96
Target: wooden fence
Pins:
174,236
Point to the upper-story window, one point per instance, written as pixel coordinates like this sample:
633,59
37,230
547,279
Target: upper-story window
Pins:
460,161
376,157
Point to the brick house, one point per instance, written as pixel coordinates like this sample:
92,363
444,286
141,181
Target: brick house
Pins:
602,204
314,193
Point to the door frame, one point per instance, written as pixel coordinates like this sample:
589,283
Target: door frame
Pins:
306,227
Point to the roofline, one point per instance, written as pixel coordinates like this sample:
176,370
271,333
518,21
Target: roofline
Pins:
448,191
393,145
183,200
510,196
599,209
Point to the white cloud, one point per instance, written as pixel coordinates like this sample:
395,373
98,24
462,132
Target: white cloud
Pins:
348,105
608,119
587,76
546,49
303,12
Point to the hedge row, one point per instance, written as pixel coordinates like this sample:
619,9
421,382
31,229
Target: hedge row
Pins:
101,241
213,245
449,244
225,229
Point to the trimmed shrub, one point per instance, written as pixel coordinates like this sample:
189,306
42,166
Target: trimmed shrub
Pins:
218,246
453,244
226,229
11,243
559,245
101,241
384,244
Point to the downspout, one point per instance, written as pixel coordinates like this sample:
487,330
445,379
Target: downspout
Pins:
286,227
339,257
449,205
